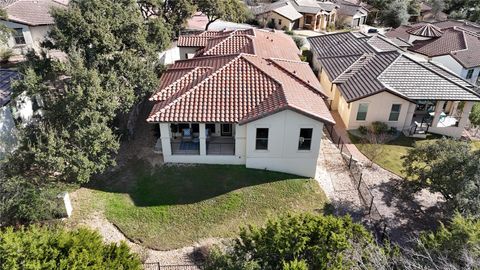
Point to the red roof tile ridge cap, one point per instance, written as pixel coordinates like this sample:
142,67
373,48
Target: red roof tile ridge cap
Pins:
154,97
296,108
307,83
180,96
287,60
246,55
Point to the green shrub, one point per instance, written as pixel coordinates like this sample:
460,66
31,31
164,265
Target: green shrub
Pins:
299,41
271,24
392,131
298,242
55,248
379,127
288,32
5,55
363,130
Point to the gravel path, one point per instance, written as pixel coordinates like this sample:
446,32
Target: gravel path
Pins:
335,179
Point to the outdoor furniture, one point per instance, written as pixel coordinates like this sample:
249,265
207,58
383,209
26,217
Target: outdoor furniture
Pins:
442,116
187,134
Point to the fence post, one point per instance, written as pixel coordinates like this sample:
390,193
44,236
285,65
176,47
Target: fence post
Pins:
350,162
359,182
371,205
341,149
339,139
159,267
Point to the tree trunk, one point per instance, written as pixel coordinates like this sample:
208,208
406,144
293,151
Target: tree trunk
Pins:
209,22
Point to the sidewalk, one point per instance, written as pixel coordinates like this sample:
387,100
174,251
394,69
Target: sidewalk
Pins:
341,130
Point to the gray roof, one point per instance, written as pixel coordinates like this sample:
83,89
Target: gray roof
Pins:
306,6
359,70
340,44
417,81
32,12
350,9
6,77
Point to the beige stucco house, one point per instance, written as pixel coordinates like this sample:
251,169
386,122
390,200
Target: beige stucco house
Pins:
241,97
30,22
367,79
297,14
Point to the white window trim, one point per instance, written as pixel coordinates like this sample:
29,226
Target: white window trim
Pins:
311,140
255,139
366,114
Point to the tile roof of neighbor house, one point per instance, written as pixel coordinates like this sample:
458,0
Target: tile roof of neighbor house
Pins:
463,45
238,88
258,42
6,78
284,8
425,30
32,12
359,74
350,9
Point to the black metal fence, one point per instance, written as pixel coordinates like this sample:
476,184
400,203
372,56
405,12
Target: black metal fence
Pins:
158,266
364,192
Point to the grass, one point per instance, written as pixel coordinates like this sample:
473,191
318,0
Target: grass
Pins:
393,151
170,207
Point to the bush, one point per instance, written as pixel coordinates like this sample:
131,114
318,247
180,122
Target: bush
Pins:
299,42
271,24
392,131
298,242
5,55
288,32
54,248
308,56
379,127
363,130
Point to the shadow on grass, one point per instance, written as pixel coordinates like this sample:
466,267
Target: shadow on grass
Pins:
181,184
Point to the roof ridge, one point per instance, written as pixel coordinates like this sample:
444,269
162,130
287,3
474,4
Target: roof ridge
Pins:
261,70
186,93
216,45
307,83
354,67
154,96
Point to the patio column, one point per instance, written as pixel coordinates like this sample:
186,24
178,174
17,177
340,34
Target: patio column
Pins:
409,117
438,112
464,121
165,137
203,139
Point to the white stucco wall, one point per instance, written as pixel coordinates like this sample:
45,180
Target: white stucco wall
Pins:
379,107
33,35
187,52
280,21
283,136
452,64
169,56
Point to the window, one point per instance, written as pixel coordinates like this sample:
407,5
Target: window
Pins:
280,22
261,142
395,112
18,36
210,127
305,140
469,74
362,112
308,20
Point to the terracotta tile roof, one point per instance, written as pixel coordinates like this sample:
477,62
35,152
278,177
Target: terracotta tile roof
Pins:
201,40
232,44
425,30
460,39
32,12
237,89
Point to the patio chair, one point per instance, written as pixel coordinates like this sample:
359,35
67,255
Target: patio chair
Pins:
187,134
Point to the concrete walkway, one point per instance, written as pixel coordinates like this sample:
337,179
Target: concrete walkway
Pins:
341,131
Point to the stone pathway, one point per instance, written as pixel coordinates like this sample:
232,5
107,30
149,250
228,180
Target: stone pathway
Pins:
335,179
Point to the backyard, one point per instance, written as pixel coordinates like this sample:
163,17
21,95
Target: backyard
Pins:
391,153
168,207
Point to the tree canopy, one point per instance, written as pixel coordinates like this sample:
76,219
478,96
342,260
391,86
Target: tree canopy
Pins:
229,10
449,167
299,242
46,248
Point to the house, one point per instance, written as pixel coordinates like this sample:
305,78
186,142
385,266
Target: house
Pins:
427,14
30,22
369,79
351,14
243,98
297,14
453,44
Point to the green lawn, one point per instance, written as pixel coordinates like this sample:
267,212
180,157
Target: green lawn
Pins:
170,207
391,155
392,152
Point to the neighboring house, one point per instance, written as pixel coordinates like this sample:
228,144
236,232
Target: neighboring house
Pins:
244,98
297,14
351,14
368,79
453,44
425,14
30,21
